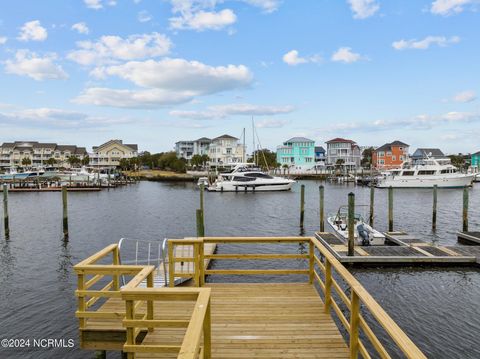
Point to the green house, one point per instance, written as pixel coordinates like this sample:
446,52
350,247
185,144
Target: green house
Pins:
297,151
476,159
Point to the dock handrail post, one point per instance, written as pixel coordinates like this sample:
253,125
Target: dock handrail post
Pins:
116,261
328,286
150,301
354,323
6,224
171,265
322,208
302,205
434,210
311,263
81,298
465,209
65,211
207,334
372,204
196,264
351,224
130,315
390,209
201,262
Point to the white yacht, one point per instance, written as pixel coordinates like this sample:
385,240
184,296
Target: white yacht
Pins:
364,234
425,174
244,177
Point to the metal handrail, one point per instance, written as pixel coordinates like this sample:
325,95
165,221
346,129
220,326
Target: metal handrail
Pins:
161,257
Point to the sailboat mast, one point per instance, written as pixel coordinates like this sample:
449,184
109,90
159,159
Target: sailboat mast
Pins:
244,148
254,148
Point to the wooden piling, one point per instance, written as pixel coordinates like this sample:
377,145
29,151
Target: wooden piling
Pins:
434,209
372,204
351,224
200,228
100,354
322,208
202,207
390,209
465,209
6,225
302,205
65,211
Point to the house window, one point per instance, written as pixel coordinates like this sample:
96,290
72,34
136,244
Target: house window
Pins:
381,154
382,162
394,158
389,153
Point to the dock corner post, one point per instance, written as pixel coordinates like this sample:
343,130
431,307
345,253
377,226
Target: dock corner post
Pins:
6,224
372,204
150,301
328,286
207,333
201,263
351,224
322,208
434,209
116,261
465,209
390,209
311,263
354,324
302,205
65,212
171,265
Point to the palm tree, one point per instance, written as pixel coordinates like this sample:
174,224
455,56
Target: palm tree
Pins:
85,160
73,161
51,161
26,162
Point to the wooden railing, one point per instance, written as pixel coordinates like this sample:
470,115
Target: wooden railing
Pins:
318,257
135,318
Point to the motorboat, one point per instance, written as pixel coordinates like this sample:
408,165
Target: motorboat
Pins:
203,181
364,234
14,175
247,178
426,173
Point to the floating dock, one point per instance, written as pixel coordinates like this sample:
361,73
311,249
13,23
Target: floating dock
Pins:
404,249
55,189
469,237
315,318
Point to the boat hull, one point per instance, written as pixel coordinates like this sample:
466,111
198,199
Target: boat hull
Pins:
242,187
424,182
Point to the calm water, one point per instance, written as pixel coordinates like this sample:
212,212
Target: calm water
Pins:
438,308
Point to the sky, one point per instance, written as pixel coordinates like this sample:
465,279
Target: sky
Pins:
154,72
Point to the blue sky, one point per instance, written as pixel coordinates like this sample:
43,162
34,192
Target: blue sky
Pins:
154,72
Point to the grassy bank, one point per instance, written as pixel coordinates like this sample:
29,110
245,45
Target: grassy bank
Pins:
158,175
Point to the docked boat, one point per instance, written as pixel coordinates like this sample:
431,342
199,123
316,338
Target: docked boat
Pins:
426,174
14,175
203,181
245,177
364,234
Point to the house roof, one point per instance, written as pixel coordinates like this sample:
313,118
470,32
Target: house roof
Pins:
299,139
203,139
423,152
319,149
119,142
398,143
339,139
132,146
476,153
228,137
388,146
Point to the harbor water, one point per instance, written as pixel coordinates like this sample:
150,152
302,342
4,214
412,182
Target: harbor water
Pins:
439,308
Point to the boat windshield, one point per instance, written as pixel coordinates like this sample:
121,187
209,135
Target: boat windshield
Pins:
258,175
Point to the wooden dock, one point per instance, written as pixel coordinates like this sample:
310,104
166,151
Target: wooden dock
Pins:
233,320
55,189
469,237
403,249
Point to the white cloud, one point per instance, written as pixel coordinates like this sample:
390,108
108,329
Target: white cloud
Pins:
98,4
81,28
204,20
169,81
144,16
449,7
268,6
271,123
345,54
223,111
465,96
363,8
424,44
109,49
32,30
292,58
3,40
39,68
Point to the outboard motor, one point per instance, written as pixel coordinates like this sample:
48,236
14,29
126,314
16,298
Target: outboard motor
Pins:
364,234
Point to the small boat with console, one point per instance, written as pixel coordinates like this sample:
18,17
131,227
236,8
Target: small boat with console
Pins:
426,173
246,177
364,234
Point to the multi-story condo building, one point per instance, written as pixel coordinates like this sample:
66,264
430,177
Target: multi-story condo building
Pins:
390,155
109,154
187,149
12,153
347,151
298,152
226,150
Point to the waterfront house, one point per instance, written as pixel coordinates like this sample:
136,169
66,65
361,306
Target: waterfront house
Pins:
475,160
422,153
344,152
12,153
390,155
225,151
109,154
188,149
320,155
297,153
